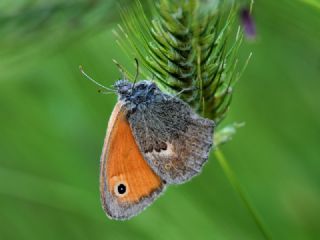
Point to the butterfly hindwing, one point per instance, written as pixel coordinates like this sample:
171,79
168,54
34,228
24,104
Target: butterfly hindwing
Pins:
127,183
173,139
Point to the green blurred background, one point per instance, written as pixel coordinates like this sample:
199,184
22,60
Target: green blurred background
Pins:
53,122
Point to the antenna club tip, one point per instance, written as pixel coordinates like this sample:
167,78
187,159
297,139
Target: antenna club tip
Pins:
80,68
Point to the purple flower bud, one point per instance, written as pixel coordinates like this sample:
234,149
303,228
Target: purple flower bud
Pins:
248,23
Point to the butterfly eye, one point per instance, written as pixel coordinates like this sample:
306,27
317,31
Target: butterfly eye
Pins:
121,189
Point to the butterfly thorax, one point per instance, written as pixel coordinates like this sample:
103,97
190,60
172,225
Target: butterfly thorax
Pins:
138,94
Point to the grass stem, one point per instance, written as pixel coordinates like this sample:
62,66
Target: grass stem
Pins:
237,187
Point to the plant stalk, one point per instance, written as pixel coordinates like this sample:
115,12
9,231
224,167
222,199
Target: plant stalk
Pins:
238,188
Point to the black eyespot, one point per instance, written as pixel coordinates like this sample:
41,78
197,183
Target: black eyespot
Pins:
121,189
163,146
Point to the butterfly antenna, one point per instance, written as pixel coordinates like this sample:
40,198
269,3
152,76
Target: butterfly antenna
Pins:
137,72
94,81
104,92
185,90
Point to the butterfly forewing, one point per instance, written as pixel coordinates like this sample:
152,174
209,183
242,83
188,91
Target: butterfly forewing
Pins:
127,182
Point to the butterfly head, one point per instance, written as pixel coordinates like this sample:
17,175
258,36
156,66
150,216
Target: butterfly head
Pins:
123,87
142,91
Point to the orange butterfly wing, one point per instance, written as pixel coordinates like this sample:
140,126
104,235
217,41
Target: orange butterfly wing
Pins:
127,183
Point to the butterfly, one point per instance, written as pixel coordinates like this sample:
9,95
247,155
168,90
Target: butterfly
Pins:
153,140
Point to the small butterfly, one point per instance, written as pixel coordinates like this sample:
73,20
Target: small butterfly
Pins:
153,140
